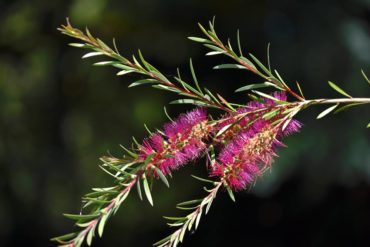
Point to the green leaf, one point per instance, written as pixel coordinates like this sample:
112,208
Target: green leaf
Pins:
93,54
123,67
167,88
209,93
175,218
187,87
132,154
326,112
212,53
258,62
124,72
148,159
215,48
162,241
200,40
255,86
300,89
81,217
281,81
268,56
195,77
192,202
138,187
78,45
224,129
229,66
203,180
187,208
162,177
249,62
364,75
90,236
268,96
270,114
62,239
238,41
208,206
145,63
338,89
345,107
104,63
368,125
147,190
189,101
231,194
143,82
102,222
166,113
225,102
198,218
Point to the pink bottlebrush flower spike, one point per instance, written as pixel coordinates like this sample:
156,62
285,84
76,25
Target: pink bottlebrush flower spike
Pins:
249,154
180,142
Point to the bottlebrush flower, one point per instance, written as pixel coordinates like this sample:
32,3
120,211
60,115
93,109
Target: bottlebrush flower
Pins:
249,154
180,141
252,111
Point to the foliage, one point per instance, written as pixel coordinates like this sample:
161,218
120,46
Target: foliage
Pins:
238,146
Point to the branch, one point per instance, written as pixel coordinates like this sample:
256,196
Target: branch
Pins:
153,76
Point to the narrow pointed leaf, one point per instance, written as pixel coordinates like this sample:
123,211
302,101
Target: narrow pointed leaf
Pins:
215,48
132,154
147,190
327,111
345,107
84,217
338,89
192,202
195,77
239,45
258,62
148,159
203,180
200,40
63,238
268,97
189,101
162,177
364,75
249,62
143,82
255,86
92,54
102,222
300,90
231,194
124,72
229,66
223,129
212,53
78,45
138,187
90,236
104,63
198,219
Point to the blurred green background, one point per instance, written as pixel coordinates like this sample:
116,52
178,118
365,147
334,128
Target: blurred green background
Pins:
58,115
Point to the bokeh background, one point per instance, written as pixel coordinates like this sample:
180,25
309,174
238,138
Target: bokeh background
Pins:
58,115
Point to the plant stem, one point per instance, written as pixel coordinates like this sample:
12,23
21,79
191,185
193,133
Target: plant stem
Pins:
192,219
338,101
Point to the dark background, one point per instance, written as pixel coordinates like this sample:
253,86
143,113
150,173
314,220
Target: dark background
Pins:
58,114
